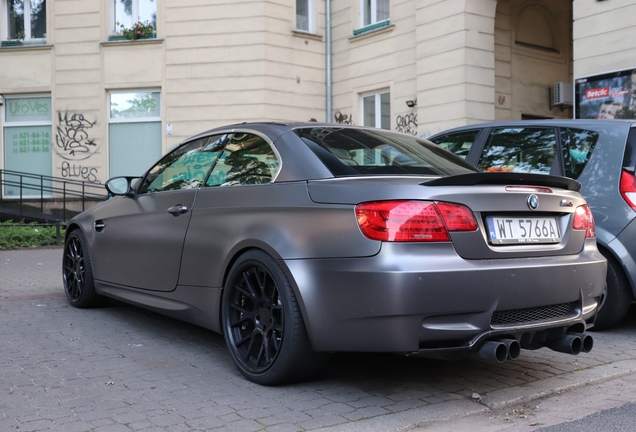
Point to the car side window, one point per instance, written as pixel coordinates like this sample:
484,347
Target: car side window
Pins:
519,150
577,146
247,159
186,167
458,143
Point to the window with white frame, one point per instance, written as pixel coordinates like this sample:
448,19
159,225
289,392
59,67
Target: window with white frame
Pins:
306,15
128,12
376,109
134,131
26,138
374,11
25,20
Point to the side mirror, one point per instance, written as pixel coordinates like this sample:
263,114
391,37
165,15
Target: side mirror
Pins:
120,186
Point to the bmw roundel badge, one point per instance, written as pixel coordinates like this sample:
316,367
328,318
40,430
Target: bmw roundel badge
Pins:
533,202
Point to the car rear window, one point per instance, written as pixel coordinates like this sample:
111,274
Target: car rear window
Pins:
351,152
577,146
519,149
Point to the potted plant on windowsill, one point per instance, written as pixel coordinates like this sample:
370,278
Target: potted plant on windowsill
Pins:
139,30
17,41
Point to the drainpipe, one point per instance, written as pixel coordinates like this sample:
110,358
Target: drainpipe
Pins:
328,53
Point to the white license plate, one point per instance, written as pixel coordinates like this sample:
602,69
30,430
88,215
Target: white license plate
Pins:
510,230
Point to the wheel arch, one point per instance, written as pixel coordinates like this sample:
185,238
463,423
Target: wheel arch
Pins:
611,254
240,250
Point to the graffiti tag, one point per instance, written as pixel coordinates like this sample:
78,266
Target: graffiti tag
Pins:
407,123
72,139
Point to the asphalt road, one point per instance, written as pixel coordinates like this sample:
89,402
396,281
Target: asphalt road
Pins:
121,368
622,419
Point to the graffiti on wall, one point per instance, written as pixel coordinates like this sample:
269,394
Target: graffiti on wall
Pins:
79,172
406,123
72,139
73,143
341,118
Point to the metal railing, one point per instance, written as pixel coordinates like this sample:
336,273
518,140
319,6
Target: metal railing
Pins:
39,196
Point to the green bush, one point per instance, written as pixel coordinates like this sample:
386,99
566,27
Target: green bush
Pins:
29,235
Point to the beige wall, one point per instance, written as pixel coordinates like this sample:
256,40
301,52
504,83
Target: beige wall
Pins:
215,63
524,74
227,61
603,36
381,60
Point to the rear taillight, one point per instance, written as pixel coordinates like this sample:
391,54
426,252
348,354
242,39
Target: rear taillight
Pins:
583,220
413,221
628,188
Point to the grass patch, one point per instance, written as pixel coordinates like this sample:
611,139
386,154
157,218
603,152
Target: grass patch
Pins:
18,234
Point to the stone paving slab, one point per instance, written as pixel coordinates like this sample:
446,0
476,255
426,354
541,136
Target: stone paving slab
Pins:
122,368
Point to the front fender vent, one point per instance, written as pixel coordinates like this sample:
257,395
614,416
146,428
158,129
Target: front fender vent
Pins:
534,315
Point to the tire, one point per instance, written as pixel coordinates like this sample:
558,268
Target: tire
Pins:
262,323
618,298
77,272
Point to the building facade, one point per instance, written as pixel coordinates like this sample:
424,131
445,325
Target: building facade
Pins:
83,101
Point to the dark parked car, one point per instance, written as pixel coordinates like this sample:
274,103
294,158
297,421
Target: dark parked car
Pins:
601,154
296,240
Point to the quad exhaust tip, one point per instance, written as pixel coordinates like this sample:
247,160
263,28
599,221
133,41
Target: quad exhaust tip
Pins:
498,351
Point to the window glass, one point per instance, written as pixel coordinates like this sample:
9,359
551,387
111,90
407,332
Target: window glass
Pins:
247,159
302,15
519,150
458,143
135,105
352,151
376,110
26,19
27,144
577,146
374,11
134,132
128,12
133,147
186,167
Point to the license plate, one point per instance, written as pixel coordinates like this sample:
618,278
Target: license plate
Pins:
510,230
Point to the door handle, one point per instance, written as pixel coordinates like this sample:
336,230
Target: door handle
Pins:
178,209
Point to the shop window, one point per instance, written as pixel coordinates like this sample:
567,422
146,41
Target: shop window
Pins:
134,132
25,21
27,146
376,110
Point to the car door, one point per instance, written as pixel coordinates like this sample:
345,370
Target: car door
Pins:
141,244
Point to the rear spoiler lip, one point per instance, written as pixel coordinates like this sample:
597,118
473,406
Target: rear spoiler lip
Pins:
506,178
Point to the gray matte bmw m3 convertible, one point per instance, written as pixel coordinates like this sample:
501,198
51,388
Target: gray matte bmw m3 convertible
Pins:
296,240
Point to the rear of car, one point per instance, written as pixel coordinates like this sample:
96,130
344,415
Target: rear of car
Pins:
466,262
598,153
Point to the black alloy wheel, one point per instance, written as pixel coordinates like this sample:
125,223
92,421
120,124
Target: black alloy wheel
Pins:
262,323
77,272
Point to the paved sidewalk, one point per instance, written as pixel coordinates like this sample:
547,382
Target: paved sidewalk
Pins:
121,368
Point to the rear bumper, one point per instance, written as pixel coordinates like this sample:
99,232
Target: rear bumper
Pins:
417,298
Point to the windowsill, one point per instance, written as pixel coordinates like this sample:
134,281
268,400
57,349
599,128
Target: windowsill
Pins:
306,35
24,45
121,40
373,29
